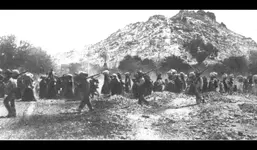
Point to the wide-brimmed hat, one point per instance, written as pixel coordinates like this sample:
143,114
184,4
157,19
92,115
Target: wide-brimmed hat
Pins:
106,72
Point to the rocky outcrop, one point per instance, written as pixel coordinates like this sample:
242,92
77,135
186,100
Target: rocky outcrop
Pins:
160,36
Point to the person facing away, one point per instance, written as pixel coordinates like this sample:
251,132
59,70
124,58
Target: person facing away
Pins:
140,81
158,84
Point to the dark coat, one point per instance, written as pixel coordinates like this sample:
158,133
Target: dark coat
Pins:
106,86
115,86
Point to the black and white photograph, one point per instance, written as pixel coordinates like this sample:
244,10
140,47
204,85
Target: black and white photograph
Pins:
128,75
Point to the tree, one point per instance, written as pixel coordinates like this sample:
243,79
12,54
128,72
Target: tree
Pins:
199,50
130,63
174,62
24,56
236,64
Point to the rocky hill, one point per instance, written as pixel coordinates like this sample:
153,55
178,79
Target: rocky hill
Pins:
160,36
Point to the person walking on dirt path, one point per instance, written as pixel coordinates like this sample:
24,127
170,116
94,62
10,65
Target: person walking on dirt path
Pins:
194,81
84,89
140,82
10,91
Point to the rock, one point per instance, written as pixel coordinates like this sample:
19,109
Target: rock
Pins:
145,116
240,133
237,115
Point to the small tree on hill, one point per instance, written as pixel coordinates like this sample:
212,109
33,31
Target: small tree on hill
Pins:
173,62
199,50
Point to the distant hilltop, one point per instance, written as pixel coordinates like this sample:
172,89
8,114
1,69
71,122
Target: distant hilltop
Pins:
160,37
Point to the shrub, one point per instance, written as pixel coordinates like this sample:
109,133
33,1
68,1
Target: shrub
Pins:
199,50
236,64
173,62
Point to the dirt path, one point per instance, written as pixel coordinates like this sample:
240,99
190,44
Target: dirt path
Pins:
146,125
168,117
23,110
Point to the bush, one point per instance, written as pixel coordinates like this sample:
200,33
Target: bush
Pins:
199,50
129,64
236,64
173,62
132,64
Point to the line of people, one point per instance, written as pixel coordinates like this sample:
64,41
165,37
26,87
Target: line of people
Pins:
192,84
82,87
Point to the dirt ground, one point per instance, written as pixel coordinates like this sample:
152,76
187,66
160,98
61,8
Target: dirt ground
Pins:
169,116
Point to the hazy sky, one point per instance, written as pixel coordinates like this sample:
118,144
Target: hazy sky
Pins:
64,30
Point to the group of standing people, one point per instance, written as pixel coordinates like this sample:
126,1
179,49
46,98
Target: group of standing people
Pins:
16,85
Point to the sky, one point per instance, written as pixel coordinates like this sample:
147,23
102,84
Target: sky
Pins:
63,30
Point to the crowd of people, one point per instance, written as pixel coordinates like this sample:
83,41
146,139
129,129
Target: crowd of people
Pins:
16,85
